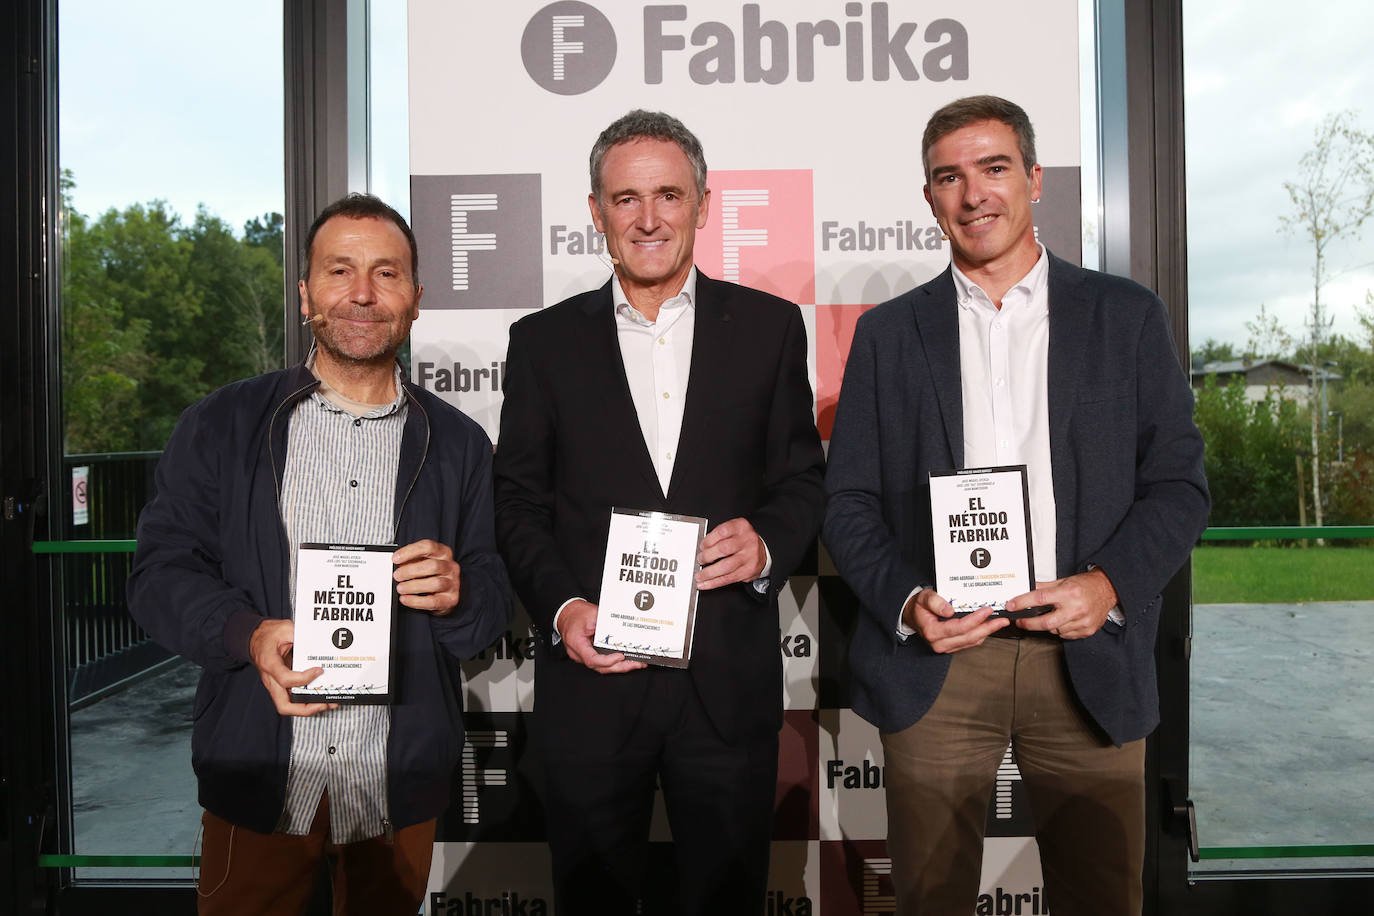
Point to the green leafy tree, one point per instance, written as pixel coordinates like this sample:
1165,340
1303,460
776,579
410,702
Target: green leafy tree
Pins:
105,358
1250,454
1212,351
1268,339
264,237
242,284
157,314
1332,198
1351,485
267,232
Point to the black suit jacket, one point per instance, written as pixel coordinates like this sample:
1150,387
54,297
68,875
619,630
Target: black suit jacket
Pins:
1130,495
570,448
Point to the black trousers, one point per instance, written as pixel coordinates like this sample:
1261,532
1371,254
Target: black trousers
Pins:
719,799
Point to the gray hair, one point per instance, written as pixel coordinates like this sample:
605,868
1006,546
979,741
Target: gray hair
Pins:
971,110
652,125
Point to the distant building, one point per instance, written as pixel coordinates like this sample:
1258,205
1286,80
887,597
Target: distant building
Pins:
1291,381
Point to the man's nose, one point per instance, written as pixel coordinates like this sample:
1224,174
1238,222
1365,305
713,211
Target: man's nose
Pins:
974,192
648,213
362,289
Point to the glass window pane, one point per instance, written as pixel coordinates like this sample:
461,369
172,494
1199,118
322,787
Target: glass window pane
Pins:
171,150
389,105
1280,163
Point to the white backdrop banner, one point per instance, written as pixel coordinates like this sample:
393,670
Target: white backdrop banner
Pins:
811,113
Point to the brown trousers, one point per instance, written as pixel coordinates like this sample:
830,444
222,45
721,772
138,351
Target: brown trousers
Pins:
1087,796
272,874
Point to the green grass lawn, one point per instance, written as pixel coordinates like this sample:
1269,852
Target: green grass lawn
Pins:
1282,574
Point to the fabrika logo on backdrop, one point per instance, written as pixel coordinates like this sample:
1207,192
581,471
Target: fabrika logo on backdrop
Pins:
568,47
759,232
479,238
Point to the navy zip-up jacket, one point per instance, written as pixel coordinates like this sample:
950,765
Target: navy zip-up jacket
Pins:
212,562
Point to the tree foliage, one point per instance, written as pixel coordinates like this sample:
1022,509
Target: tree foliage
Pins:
156,314
1250,454
1331,200
1211,351
1268,338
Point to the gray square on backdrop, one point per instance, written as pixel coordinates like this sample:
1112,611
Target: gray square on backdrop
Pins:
480,240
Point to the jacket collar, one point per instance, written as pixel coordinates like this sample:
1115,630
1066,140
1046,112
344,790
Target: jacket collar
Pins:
712,343
936,313
299,382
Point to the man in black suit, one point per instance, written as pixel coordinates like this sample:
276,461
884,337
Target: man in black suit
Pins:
1013,356
663,390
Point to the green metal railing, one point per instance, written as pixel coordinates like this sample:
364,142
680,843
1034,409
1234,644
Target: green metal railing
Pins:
1286,852
57,861
1289,533
1260,533
84,546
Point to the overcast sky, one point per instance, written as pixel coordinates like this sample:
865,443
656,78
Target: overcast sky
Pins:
175,100
1258,82
182,101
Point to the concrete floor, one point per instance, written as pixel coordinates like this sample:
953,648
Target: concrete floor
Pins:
1282,725
132,785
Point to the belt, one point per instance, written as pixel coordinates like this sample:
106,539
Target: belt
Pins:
1012,631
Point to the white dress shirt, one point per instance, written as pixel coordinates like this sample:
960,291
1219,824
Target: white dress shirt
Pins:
1004,364
1004,360
657,356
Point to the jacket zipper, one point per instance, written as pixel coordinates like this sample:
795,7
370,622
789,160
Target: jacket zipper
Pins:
424,456
388,831
290,401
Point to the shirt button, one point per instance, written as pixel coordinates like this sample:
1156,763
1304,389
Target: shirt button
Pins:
1000,383
662,340
665,395
358,422
353,483
669,456
332,748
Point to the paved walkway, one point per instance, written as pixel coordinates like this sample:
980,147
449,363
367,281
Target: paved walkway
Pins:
1282,726
132,785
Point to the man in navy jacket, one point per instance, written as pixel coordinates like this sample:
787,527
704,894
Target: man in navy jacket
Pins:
341,449
1011,357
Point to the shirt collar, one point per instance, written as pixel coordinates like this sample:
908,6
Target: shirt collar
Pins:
686,298
969,293
332,400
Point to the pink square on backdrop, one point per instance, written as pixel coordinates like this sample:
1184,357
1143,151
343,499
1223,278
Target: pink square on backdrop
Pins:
834,334
759,232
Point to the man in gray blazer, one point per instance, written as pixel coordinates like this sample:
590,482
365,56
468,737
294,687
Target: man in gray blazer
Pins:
1013,356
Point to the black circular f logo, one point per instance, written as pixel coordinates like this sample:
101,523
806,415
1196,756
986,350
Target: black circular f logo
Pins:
342,638
980,557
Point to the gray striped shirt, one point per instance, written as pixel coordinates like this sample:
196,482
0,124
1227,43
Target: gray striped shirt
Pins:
340,487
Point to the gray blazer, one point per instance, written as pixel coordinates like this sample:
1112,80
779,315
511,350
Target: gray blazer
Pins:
1129,488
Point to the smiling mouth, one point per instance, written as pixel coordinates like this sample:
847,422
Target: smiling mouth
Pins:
981,221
